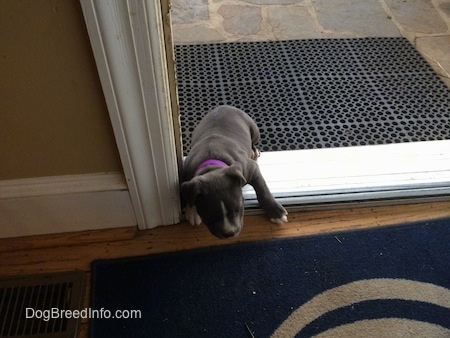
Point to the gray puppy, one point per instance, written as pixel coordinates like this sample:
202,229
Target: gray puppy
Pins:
221,161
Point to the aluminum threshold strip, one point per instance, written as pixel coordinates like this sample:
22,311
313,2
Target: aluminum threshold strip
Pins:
321,201
299,179
292,208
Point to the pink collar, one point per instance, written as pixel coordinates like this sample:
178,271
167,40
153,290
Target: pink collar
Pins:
211,162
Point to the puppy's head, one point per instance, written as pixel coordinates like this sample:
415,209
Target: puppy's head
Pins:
217,196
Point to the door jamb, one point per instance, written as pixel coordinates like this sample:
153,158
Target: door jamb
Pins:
127,39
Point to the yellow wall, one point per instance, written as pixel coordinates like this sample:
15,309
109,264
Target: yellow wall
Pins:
53,116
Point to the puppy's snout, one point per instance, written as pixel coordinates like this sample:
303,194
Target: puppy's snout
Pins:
227,229
223,223
231,232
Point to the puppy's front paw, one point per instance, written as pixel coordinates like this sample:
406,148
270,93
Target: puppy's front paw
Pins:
278,214
192,216
280,221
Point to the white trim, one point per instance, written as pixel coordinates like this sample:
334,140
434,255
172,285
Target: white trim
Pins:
36,206
128,44
323,176
53,185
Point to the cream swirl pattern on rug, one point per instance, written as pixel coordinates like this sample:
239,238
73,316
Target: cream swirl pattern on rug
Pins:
366,290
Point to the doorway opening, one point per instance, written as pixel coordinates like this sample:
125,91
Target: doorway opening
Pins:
346,105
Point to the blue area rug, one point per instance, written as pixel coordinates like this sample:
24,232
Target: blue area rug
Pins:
383,282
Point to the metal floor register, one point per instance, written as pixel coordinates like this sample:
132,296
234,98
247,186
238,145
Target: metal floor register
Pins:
306,94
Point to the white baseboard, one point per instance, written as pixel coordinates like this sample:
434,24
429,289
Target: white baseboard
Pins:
44,205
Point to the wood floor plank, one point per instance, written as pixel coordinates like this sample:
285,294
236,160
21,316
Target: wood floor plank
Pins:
184,236
65,239
84,330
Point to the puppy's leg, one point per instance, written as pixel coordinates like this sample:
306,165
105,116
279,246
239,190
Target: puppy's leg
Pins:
255,152
271,207
255,136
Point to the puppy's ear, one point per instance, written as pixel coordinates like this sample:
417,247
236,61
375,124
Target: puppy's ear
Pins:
235,172
191,189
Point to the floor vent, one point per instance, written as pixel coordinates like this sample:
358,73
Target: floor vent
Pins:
27,302
309,94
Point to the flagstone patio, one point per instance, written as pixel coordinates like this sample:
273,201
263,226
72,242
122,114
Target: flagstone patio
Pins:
426,23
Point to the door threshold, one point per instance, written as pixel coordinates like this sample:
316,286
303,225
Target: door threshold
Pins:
361,175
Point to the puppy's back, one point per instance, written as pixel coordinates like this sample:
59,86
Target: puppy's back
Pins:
224,120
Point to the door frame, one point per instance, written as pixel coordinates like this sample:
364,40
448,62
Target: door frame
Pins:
135,62
128,43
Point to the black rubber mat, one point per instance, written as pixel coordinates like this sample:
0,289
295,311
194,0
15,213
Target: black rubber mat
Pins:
306,94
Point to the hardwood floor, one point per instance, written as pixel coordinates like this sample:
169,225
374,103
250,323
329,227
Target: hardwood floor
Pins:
76,251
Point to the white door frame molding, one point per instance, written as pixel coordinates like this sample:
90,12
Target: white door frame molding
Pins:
128,43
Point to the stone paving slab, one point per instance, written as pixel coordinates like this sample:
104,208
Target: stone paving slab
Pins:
235,15
360,18
437,50
190,11
426,23
296,22
417,16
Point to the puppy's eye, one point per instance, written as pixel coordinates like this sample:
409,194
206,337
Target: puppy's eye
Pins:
236,211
